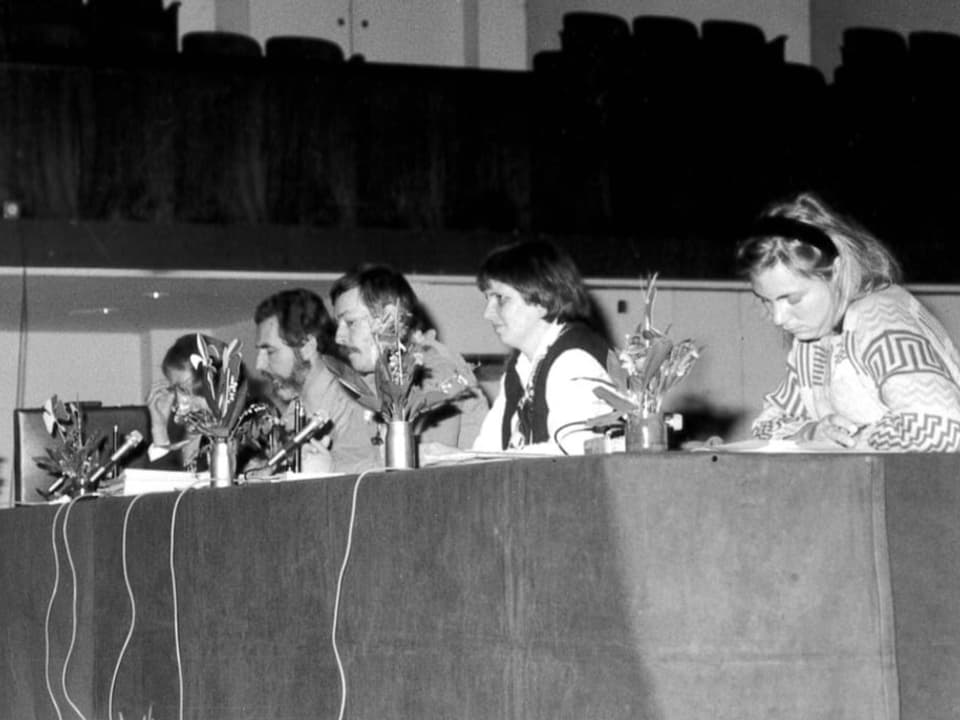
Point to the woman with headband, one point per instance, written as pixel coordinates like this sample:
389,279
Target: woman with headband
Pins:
869,367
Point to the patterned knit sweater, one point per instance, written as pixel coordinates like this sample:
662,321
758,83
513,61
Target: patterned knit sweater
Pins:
892,369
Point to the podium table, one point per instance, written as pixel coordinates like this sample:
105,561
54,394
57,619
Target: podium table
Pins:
673,586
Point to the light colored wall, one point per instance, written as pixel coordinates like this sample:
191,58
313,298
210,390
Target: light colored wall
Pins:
195,15
476,33
502,34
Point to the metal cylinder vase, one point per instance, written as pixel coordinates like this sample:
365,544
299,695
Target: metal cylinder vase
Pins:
646,433
400,447
222,463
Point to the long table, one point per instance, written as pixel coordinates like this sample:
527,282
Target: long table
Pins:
669,586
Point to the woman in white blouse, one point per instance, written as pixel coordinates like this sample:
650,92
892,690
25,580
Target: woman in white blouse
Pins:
537,304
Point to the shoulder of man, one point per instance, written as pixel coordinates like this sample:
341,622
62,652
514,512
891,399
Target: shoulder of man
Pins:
350,381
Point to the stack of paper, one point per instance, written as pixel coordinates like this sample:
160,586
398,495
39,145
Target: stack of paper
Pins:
136,481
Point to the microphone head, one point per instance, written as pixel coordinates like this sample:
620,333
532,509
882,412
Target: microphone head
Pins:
134,437
316,420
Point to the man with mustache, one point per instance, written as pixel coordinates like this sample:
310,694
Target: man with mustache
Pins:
294,337
360,300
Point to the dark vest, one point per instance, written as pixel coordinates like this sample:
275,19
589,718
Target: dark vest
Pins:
573,336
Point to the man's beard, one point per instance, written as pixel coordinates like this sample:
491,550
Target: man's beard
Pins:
291,386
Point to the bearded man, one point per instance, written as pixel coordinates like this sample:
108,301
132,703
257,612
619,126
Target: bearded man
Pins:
294,337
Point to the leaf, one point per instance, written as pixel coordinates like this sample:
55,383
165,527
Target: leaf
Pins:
615,400
616,371
659,351
604,421
235,409
49,415
649,297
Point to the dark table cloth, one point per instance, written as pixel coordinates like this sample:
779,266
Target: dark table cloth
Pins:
661,586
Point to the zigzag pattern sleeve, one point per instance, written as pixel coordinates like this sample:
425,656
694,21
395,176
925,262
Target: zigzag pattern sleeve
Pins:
915,383
915,431
783,411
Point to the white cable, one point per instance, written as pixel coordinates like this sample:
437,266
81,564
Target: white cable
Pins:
336,599
46,624
74,619
133,606
173,585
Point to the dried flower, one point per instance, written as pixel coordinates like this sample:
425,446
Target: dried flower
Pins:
224,392
404,389
648,366
76,455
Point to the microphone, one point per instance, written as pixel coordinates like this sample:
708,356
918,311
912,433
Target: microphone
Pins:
299,417
317,422
132,439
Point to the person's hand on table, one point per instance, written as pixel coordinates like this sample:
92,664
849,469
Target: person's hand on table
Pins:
834,428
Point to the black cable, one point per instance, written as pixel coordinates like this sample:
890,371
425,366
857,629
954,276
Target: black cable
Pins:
556,434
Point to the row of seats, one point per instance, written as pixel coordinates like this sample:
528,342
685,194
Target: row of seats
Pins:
586,34
589,34
608,47
65,44
280,47
879,50
74,31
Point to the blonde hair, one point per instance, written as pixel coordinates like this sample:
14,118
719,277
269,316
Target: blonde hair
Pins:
860,265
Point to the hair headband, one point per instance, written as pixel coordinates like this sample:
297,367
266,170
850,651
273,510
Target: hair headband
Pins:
788,227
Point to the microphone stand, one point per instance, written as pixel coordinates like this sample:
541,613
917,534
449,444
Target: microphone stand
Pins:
92,483
298,418
318,422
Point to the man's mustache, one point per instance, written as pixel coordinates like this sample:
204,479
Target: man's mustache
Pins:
276,379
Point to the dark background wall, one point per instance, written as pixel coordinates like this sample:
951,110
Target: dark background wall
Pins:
638,146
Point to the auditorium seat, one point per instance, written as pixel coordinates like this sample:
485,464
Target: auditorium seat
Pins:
873,50
731,41
592,33
124,31
548,62
934,55
299,49
776,52
934,66
736,63
802,81
665,33
219,44
30,440
661,42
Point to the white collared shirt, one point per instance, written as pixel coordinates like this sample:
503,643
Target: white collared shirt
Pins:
569,396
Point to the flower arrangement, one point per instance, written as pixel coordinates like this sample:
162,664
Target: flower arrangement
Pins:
646,368
225,415
75,456
404,387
